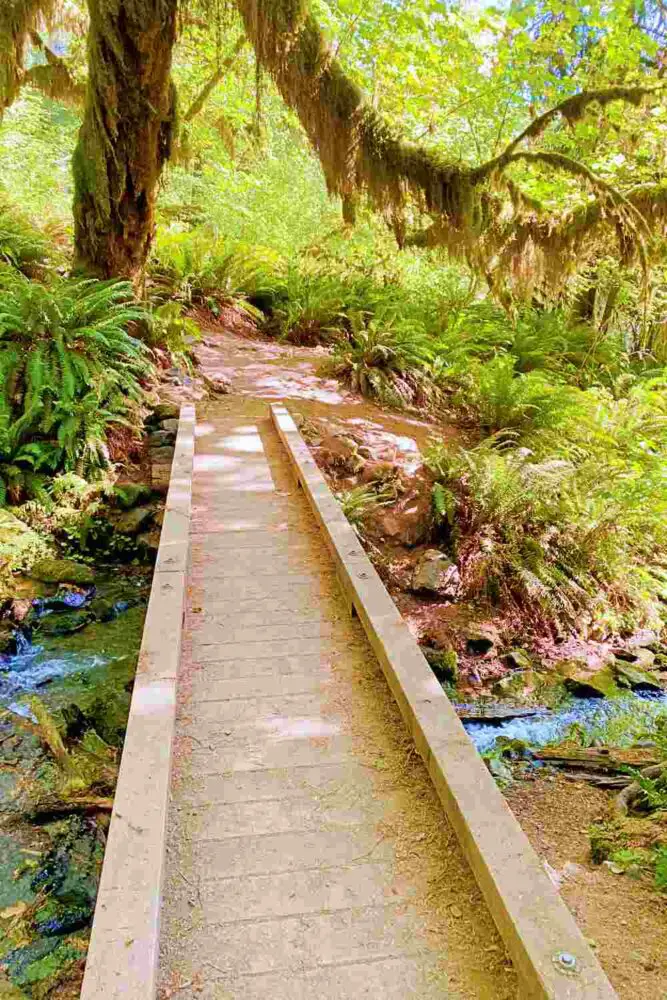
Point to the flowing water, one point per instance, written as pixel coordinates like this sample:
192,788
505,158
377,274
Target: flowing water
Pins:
620,721
49,871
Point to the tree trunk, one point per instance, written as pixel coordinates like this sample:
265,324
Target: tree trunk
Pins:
126,134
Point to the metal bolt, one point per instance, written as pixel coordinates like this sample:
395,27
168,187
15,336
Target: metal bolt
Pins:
566,961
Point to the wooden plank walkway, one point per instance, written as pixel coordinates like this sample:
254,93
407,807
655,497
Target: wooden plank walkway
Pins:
308,855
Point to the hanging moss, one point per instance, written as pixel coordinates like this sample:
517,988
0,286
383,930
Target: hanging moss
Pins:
126,135
478,213
18,18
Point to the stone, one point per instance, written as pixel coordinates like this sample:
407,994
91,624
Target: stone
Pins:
150,540
19,544
517,659
588,682
338,451
133,521
217,384
162,455
102,609
128,495
161,439
7,639
170,426
165,411
161,477
443,662
19,609
63,624
629,675
642,659
482,640
62,571
437,574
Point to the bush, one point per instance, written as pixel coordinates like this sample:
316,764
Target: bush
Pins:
385,356
69,371
555,533
21,244
197,268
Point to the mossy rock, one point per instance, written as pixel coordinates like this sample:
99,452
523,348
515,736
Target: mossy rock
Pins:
631,676
585,682
165,411
443,662
129,495
517,659
57,625
62,571
132,522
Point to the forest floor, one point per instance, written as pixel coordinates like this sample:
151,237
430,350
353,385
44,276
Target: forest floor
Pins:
624,918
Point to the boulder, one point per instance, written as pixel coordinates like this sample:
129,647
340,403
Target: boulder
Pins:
482,640
437,574
641,659
7,639
56,625
162,455
631,676
128,495
337,451
150,540
588,682
62,571
133,521
443,662
102,609
19,544
217,384
170,426
161,477
517,659
165,411
161,439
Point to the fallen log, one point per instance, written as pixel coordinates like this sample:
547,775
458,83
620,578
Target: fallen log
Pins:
606,759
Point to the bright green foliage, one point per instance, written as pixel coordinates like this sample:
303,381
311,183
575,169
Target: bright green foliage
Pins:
170,329
360,501
502,400
68,371
384,357
196,267
22,245
560,534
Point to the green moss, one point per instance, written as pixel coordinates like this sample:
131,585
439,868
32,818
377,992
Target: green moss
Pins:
62,571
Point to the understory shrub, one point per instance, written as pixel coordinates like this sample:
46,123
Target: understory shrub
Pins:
565,533
69,372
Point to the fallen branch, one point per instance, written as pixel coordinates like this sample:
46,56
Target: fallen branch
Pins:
632,796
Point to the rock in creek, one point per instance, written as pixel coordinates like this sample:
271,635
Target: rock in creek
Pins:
55,625
586,681
437,574
62,571
630,676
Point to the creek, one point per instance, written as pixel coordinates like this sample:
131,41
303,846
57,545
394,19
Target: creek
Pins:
49,870
620,721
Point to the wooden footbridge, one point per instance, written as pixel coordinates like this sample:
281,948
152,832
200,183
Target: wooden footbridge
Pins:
274,835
